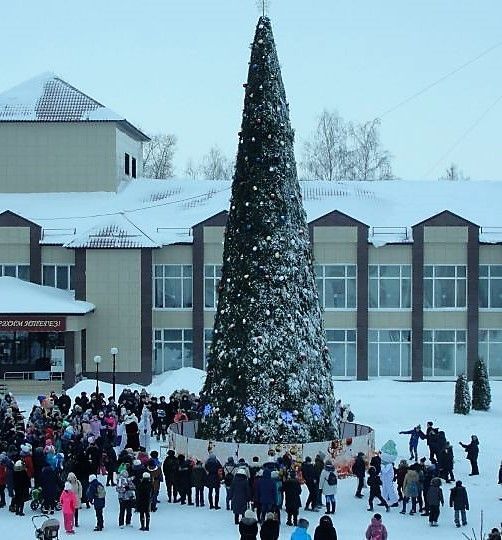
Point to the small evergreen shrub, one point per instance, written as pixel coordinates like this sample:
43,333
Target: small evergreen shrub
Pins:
481,394
462,396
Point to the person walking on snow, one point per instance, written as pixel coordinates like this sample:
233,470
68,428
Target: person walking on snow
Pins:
68,502
415,435
411,490
434,499
376,529
359,471
374,484
472,450
328,483
459,502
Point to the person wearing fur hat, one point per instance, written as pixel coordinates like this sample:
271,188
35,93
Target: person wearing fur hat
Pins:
68,502
21,484
143,501
240,494
248,526
76,487
270,527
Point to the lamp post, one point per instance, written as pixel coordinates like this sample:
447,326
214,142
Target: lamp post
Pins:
97,361
113,351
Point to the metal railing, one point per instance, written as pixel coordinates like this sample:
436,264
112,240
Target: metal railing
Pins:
32,376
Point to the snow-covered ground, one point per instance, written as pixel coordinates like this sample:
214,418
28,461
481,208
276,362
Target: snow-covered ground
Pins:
389,407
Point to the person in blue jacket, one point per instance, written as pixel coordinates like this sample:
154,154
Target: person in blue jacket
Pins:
300,533
415,435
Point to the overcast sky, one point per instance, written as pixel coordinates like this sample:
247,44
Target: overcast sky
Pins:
178,67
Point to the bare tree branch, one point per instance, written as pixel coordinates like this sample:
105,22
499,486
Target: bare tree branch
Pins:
339,150
158,155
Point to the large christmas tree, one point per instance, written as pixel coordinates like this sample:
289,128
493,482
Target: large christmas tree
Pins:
268,374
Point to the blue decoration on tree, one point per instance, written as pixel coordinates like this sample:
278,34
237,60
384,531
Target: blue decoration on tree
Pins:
207,410
250,413
287,417
316,411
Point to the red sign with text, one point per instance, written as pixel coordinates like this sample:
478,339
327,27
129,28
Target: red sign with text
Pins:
32,323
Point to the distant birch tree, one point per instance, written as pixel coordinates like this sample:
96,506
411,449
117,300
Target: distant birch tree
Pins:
338,150
158,156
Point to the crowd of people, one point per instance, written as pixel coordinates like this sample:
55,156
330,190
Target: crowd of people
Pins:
64,454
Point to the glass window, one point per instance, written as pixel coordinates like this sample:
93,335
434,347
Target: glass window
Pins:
490,350
212,276
390,286
61,276
172,285
445,287
20,271
173,349
342,349
490,286
389,353
445,353
336,285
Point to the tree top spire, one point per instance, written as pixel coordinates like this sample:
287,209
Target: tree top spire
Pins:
263,6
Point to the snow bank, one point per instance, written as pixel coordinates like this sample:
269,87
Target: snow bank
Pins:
190,379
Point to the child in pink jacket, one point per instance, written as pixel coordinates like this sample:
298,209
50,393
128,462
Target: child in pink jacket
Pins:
68,501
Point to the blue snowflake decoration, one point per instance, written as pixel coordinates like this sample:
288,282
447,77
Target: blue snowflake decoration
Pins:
287,417
316,411
250,413
208,409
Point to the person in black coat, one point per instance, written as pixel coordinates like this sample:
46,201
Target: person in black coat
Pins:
325,530
184,480
309,476
21,483
359,470
292,491
199,480
248,526
51,488
374,483
170,470
472,450
459,502
445,462
143,501
270,528
214,476
240,494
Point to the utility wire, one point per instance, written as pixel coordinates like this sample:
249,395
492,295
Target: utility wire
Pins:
440,80
464,135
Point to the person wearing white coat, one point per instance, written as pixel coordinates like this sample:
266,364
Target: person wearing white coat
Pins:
328,484
389,491
145,428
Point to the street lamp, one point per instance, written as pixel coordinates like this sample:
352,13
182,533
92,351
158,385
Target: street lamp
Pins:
113,351
97,361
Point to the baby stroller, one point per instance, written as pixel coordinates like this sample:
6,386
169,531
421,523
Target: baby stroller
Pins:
47,529
37,500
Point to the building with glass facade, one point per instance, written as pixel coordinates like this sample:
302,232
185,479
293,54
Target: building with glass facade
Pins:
409,274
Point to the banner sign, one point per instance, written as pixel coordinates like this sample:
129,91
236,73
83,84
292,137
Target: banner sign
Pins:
32,324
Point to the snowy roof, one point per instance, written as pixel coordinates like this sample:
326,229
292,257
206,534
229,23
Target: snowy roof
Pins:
17,296
162,212
113,232
48,98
